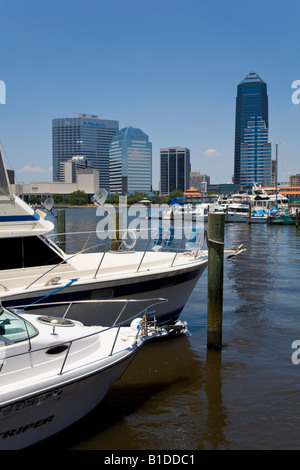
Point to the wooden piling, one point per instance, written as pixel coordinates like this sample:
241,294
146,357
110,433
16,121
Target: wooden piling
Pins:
297,218
215,235
115,242
61,228
249,214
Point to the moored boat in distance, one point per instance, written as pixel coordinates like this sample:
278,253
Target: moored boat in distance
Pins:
236,209
282,219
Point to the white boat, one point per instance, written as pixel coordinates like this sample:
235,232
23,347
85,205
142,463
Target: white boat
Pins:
33,267
223,202
200,211
189,212
54,371
235,209
268,203
179,212
259,216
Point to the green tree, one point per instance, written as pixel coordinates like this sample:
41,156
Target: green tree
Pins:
34,200
164,199
136,197
58,198
77,198
114,199
176,193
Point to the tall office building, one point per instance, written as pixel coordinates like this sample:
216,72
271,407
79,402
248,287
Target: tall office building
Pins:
130,162
255,154
175,169
252,104
85,135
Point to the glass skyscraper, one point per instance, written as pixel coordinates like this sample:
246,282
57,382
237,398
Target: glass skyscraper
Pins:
252,107
130,162
175,169
256,154
87,136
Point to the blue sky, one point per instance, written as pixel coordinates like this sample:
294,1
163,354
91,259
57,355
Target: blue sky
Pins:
169,67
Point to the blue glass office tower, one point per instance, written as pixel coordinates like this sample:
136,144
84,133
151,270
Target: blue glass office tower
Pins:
130,162
87,136
256,154
251,104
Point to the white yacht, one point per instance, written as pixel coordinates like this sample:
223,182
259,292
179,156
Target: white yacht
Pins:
33,268
236,208
261,200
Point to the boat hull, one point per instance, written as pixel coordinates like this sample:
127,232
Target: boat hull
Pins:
30,420
176,286
258,220
236,217
282,220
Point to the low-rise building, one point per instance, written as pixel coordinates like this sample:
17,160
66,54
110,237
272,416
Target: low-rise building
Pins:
87,181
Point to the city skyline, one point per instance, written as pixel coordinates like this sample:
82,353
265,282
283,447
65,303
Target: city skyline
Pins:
166,68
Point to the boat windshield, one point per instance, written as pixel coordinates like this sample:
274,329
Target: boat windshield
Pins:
14,328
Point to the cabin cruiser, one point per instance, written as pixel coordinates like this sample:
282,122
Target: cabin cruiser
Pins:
236,209
54,371
261,200
266,205
34,268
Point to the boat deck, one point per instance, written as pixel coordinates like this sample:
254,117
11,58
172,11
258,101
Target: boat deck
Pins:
96,266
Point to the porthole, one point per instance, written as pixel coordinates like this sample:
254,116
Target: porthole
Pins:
57,350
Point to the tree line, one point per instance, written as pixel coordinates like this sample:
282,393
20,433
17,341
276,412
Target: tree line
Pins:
80,198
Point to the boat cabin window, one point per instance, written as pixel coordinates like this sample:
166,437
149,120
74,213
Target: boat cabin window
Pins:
14,328
25,252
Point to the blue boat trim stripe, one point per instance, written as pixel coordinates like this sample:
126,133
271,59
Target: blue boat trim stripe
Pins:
19,218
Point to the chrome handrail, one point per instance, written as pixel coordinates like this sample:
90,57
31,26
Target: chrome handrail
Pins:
106,244
143,312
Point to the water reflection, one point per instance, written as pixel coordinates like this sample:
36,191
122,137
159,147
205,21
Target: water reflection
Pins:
169,398
252,273
216,412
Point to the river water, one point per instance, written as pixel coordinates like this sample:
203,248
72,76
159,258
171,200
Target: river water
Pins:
177,395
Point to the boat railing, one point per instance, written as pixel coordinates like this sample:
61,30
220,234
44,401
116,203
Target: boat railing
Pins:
162,240
65,346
